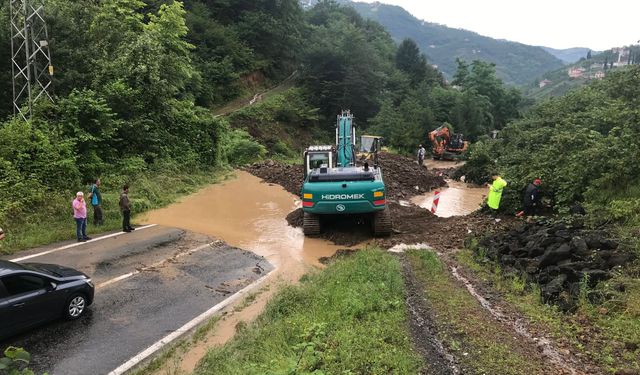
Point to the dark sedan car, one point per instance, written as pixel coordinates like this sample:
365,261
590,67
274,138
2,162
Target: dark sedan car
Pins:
34,293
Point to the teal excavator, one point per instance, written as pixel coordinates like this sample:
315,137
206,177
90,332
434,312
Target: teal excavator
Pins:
335,185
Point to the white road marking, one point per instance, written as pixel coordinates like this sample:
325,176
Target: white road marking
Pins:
76,244
128,275
185,328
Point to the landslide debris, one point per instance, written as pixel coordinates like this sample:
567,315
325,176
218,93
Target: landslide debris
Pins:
274,172
559,257
403,177
411,224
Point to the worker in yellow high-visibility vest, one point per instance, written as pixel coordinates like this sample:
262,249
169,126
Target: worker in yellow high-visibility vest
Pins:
495,191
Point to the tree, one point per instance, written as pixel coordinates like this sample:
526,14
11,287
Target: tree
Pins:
411,61
462,73
589,55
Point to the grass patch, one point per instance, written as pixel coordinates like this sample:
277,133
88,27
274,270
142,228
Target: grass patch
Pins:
248,300
349,318
608,333
470,332
169,360
148,191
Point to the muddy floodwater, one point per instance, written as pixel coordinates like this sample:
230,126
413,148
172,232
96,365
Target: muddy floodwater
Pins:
249,214
456,200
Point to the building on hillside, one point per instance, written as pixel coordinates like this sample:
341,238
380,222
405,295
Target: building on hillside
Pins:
576,72
543,83
599,75
624,55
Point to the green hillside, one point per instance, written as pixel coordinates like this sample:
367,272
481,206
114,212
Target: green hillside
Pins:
569,55
516,63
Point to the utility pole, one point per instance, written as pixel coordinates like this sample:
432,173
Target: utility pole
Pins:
30,57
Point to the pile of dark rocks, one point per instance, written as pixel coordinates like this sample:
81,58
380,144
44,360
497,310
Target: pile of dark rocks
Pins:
561,257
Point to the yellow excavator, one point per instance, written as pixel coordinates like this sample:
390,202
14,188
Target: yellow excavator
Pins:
447,145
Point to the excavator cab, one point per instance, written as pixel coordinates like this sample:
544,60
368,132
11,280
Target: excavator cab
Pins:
317,157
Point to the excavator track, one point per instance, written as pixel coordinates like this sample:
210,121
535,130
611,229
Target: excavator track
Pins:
311,224
382,225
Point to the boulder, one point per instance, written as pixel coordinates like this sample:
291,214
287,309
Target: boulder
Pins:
580,246
553,289
564,234
572,269
618,259
608,244
535,252
548,241
508,260
554,256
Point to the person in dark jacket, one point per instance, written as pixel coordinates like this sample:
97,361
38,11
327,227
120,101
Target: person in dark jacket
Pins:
532,198
96,202
125,208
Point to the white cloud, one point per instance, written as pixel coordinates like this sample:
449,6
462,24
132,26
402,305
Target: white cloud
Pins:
552,23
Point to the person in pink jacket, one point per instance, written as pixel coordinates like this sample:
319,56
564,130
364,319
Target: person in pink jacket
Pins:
80,216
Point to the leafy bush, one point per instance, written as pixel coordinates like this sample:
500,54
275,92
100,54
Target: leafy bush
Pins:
584,146
240,148
15,362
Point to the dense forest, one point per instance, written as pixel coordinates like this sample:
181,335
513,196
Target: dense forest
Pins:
137,84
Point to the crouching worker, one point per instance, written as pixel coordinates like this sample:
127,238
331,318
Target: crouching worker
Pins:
531,198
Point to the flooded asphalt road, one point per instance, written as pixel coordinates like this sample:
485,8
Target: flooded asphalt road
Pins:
171,287
247,213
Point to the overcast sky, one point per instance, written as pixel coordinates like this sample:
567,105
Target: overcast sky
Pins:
599,25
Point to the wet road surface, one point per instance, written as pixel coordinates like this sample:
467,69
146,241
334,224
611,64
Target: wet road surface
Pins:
169,286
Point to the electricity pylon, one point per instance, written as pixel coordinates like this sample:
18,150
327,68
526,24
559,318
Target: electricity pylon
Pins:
30,57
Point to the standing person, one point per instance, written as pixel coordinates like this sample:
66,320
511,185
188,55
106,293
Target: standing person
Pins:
495,192
80,216
531,198
96,202
125,208
421,153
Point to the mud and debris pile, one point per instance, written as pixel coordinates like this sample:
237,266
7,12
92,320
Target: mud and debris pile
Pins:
405,179
411,224
562,258
286,175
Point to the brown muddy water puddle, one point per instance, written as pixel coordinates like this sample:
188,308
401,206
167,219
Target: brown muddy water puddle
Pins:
456,200
249,214
443,164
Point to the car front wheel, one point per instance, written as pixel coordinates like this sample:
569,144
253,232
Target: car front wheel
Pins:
75,306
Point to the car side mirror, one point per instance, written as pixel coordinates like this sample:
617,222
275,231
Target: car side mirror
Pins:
52,286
